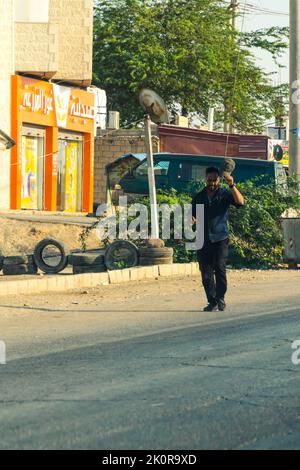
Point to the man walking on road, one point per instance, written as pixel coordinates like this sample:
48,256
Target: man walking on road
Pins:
213,256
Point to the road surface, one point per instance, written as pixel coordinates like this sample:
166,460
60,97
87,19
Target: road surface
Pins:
141,367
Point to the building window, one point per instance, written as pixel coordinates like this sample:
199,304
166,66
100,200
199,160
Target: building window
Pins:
32,11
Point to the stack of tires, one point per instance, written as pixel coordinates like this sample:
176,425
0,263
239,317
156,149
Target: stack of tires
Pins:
88,262
19,265
151,256
121,254
1,260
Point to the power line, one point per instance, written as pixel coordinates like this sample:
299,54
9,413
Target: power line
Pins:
249,8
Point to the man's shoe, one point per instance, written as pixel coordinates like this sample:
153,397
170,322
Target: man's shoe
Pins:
221,305
212,307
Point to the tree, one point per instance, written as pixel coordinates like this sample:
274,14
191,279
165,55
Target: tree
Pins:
187,51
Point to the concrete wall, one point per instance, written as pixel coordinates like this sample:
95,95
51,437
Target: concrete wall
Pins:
110,145
37,50
6,70
62,48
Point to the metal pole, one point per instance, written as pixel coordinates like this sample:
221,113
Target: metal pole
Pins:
211,114
151,180
294,135
234,5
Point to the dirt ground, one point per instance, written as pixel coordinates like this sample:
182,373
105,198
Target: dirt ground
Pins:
20,237
52,322
267,283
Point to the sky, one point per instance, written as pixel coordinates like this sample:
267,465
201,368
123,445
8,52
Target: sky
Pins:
259,19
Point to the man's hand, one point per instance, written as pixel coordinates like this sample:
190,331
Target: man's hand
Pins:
193,220
237,196
229,179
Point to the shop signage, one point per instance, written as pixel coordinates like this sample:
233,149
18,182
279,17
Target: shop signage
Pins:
37,101
62,101
79,109
61,105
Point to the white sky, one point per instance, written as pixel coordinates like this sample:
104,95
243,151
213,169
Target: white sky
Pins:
257,20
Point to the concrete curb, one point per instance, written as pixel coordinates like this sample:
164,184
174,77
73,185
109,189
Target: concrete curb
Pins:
63,282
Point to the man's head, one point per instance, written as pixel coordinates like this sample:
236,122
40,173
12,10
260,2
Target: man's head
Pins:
213,179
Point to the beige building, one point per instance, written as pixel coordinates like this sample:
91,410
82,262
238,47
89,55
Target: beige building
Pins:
46,39
56,43
6,70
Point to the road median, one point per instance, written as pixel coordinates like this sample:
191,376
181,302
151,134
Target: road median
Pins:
64,282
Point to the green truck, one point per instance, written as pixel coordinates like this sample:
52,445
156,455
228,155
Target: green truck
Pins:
182,171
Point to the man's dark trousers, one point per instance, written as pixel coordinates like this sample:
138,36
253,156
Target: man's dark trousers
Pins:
212,261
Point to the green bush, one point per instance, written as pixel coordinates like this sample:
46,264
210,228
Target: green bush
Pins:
256,236
255,229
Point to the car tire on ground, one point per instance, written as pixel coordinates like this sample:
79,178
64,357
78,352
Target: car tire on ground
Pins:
1,260
38,256
19,269
128,250
156,252
87,259
95,268
155,261
18,260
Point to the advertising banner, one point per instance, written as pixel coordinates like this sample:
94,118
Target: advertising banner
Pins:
279,151
29,198
71,176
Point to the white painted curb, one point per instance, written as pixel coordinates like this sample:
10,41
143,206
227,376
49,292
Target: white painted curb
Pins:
63,282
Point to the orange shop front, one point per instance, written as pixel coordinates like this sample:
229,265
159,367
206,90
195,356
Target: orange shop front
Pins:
52,164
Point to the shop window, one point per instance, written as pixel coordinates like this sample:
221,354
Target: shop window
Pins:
32,164
32,11
70,172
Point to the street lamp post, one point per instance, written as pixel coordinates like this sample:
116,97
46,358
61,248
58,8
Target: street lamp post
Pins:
294,137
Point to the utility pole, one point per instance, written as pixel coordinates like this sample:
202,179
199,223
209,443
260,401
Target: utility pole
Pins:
234,9
294,134
234,5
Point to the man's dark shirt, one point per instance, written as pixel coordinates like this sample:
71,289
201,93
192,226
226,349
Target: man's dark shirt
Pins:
215,213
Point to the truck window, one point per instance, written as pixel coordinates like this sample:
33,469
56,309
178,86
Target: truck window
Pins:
160,168
188,171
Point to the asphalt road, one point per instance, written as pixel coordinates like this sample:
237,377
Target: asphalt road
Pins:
228,383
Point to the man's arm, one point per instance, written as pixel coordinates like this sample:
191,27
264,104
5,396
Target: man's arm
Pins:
194,208
237,196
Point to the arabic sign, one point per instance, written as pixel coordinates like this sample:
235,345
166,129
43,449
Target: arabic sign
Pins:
49,104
